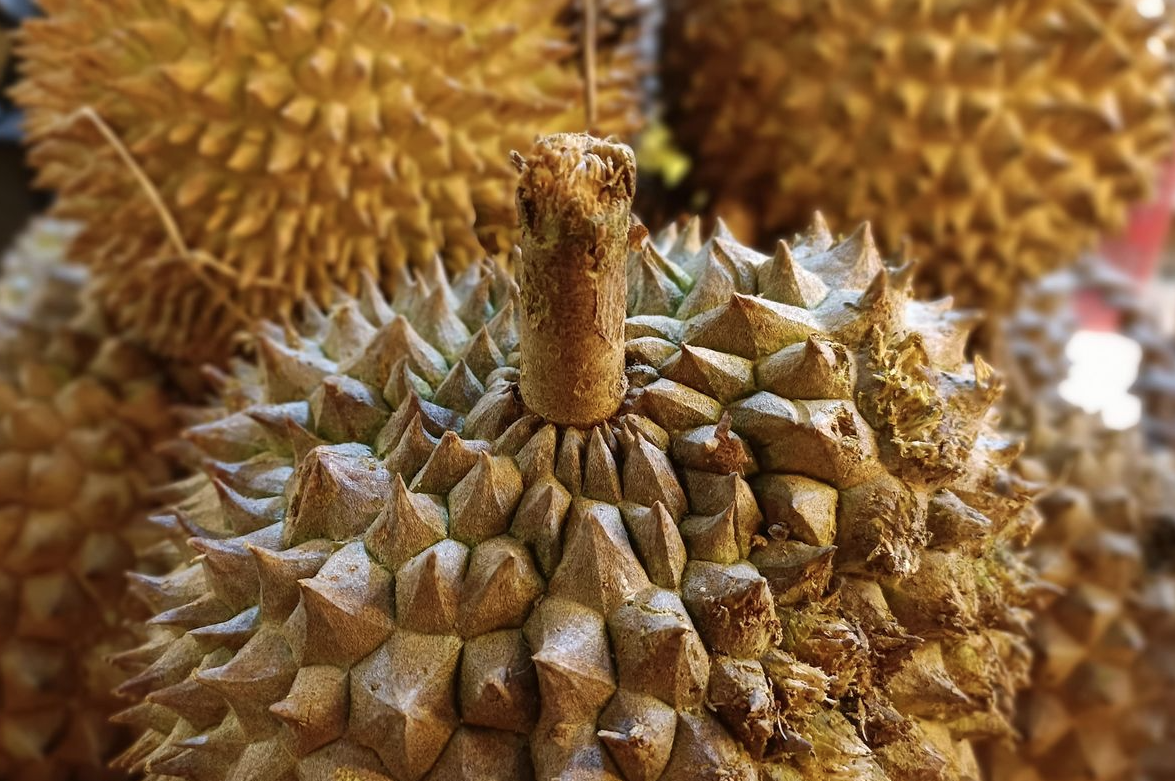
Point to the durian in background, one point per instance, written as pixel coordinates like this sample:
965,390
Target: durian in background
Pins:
1155,385
80,415
662,509
1000,137
1100,703
288,147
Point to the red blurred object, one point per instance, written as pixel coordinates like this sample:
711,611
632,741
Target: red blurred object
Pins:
1137,251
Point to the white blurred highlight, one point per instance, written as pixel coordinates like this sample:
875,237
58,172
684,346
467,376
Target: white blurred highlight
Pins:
1103,366
1152,8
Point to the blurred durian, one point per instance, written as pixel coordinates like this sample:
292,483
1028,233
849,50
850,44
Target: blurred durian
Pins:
1101,702
997,137
228,158
80,415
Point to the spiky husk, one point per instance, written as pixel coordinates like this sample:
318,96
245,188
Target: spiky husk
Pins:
1155,385
296,144
80,413
999,136
790,555
1104,669
1100,702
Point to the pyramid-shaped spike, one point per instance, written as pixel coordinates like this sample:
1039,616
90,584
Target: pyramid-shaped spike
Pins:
229,568
569,646
206,609
412,452
487,755
290,374
477,306
536,459
637,730
232,633
719,375
396,340
674,406
199,705
408,523
601,480
372,303
280,571
500,587
499,689
851,264
343,612
498,409
538,522
347,333
346,410
784,280
703,749
260,673
330,479
438,324
658,651
461,389
654,285
732,607
812,369
503,328
428,588
452,460
483,355
482,504
436,420
403,383
406,714
742,698
599,568
569,462
315,709
751,327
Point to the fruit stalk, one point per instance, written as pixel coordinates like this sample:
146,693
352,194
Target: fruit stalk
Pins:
574,204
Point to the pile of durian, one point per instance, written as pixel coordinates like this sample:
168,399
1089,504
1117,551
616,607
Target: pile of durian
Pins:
355,427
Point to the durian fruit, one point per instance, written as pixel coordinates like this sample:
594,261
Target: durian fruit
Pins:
1100,703
80,413
295,145
775,539
998,137
1028,346
1104,655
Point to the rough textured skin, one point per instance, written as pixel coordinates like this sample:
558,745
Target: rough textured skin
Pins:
1156,378
297,143
1104,667
80,414
790,555
999,136
1100,702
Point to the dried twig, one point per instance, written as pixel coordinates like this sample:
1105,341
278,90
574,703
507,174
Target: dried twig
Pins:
590,42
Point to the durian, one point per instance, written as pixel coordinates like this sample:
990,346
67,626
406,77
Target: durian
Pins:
287,147
1099,706
80,413
1104,665
784,549
1155,386
998,137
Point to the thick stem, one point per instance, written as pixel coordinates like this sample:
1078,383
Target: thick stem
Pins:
574,202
